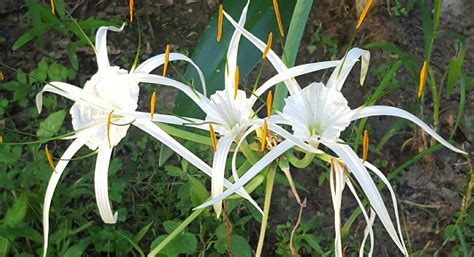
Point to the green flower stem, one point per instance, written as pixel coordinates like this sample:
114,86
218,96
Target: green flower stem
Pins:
266,208
303,163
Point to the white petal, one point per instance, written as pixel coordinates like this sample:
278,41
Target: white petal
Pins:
380,110
158,60
394,198
101,45
60,88
167,119
252,172
338,77
370,221
153,130
291,84
53,181
197,97
234,156
232,53
218,169
291,73
101,184
362,176
337,184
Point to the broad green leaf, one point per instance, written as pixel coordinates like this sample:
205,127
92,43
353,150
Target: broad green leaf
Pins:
198,191
78,249
51,125
17,212
185,243
240,246
210,55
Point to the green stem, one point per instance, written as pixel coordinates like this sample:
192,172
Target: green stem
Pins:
299,163
266,208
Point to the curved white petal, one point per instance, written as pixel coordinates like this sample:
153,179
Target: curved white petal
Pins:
362,176
167,119
291,73
252,172
158,60
339,75
232,53
153,130
393,196
197,97
218,169
368,231
53,181
101,184
380,110
234,156
60,88
337,183
101,45
291,84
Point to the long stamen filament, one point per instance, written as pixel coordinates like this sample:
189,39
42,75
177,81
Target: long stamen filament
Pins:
269,44
278,17
213,137
52,7
220,19
236,81
264,135
167,59
130,6
152,105
363,13
422,78
365,146
269,103
109,119
50,158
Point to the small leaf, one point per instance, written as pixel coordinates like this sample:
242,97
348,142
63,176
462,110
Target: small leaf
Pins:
240,246
170,225
198,191
51,125
17,212
173,171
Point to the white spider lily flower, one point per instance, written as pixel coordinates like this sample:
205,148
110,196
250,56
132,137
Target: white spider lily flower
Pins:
318,114
102,113
230,111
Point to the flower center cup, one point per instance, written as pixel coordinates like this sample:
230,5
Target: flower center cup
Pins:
317,113
229,115
104,93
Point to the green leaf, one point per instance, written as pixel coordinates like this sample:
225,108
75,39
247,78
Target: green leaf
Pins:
240,246
210,55
51,125
173,171
17,212
313,242
78,249
170,225
449,232
37,22
198,191
186,243
72,55
455,68
21,77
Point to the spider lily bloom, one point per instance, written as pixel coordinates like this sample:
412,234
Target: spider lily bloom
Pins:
102,113
317,115
230,112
